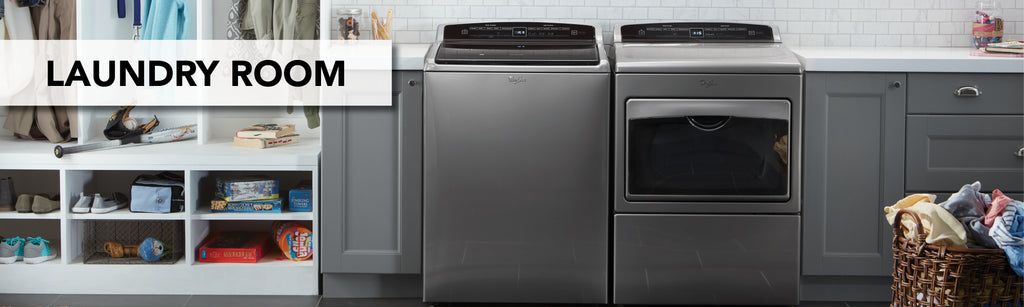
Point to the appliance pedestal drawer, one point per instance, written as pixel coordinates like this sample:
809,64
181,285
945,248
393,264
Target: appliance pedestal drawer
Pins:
945,152
706,259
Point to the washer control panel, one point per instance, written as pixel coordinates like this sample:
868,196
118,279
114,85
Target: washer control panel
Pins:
682,32
518,31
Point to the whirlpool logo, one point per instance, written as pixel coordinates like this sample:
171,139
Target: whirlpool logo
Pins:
707,83
515,80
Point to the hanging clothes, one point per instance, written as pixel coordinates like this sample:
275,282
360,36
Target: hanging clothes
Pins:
165,19
32,115
283,19
55,20
18,22
235,17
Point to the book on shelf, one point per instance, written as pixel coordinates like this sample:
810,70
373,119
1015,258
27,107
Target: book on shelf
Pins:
266,143
266,131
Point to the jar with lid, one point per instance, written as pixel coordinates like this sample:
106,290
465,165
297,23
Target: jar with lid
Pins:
348,23
988,24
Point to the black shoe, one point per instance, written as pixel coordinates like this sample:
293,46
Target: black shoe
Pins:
7,196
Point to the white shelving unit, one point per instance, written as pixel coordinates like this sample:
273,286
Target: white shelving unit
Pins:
36,170
111,170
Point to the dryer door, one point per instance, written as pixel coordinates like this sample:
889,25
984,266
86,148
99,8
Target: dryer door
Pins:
708,150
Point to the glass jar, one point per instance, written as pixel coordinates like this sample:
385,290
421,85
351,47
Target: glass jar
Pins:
988,24
348,23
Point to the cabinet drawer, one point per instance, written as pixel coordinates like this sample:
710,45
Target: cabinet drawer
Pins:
944,152
935,94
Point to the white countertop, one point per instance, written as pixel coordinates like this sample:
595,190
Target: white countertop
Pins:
837,59
904,59
409,56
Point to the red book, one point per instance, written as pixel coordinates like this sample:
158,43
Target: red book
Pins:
234,247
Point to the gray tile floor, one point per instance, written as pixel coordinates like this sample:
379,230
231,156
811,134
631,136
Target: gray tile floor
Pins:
77,300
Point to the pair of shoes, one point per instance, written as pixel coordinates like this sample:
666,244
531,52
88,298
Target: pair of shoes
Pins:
7,196
37,203
31,250
84,203
97,204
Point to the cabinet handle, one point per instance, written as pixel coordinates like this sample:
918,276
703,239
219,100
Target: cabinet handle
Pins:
897,84
1020,152
412,82
967,91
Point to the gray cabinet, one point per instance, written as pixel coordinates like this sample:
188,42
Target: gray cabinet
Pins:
963,128
944,152
372,184
853,166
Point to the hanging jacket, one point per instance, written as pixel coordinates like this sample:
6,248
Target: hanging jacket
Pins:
165,19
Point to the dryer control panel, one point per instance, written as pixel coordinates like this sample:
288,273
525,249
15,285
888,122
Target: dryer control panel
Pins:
685,32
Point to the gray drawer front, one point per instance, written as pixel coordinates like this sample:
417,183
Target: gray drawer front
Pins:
933,94
944,152
706,259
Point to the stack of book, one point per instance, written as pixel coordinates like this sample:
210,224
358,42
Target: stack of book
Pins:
266,135
1006,47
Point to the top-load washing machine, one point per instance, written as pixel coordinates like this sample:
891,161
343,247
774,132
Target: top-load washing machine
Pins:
707,165
516,164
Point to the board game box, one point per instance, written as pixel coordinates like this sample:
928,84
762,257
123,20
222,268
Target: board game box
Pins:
234,247
247,188
247,206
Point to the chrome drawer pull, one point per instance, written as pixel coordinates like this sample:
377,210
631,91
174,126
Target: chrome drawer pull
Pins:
1020,152
967,91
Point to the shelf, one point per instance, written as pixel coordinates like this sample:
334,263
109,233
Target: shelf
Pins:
217,154
126,214
178,278
55,262
79,262
14,215
206,214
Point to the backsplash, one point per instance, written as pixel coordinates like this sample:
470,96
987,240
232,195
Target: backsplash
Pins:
856,23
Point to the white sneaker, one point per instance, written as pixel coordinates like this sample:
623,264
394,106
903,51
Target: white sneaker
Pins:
104,205
84,203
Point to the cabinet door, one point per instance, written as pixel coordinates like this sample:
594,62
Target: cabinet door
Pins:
853,166
944,152
372,173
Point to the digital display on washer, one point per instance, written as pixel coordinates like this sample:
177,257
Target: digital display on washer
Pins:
518,31
697,32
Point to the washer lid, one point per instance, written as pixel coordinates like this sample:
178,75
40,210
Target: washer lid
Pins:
518,47
702,47
518,43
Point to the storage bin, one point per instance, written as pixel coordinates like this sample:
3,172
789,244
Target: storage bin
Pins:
132,232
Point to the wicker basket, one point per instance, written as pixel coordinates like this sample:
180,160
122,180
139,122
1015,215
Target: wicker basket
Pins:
929,275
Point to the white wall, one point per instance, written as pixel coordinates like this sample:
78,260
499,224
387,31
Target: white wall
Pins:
908,23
